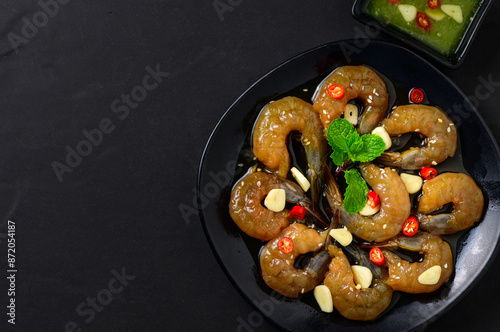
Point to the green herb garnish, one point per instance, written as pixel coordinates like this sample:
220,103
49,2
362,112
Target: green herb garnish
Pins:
349,147
355,194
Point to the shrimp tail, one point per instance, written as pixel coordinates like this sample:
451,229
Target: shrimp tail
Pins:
354,254
294,192
332,191
390,245
334,223
438,224
318,266
411,243
316,152
314,214
316,183
410,159
362,258
390,159
371,118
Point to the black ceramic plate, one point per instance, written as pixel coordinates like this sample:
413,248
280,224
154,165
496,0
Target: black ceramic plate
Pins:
238,254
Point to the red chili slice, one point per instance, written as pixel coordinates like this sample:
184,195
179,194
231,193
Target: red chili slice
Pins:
394,1
433,3
428,173
416,95
377,256
373,199
410,226
286,245
423,21
336,91
298,212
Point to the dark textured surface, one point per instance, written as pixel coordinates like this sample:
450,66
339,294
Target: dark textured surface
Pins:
118,209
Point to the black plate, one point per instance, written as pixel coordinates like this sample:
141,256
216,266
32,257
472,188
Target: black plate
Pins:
454,60
237,253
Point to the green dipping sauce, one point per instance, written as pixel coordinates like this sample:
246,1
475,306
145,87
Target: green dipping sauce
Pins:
443,35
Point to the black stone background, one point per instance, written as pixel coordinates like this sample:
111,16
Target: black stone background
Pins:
119,207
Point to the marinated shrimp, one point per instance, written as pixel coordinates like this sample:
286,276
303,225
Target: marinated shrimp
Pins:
278,269
358,82
351,302
276,120
394,204
282,258
457,188
439,131
403,275
251,216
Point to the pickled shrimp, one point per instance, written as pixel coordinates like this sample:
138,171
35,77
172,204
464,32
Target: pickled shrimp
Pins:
403,275
278,269
394,204
358,82
440,136
351,302
251,216
457,188
276,120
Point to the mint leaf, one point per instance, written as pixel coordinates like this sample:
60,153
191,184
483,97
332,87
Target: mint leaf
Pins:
355,144
348,145
340,149
339,142
355,194
339,136
339,157
339,127
373,146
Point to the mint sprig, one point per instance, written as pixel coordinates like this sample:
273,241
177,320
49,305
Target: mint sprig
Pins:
355,194
348,146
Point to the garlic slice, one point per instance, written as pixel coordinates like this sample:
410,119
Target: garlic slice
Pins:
362,275
342,235
275,200
351,113
453,11
382,133
323,296
430,276
301,179
413,183
409,12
